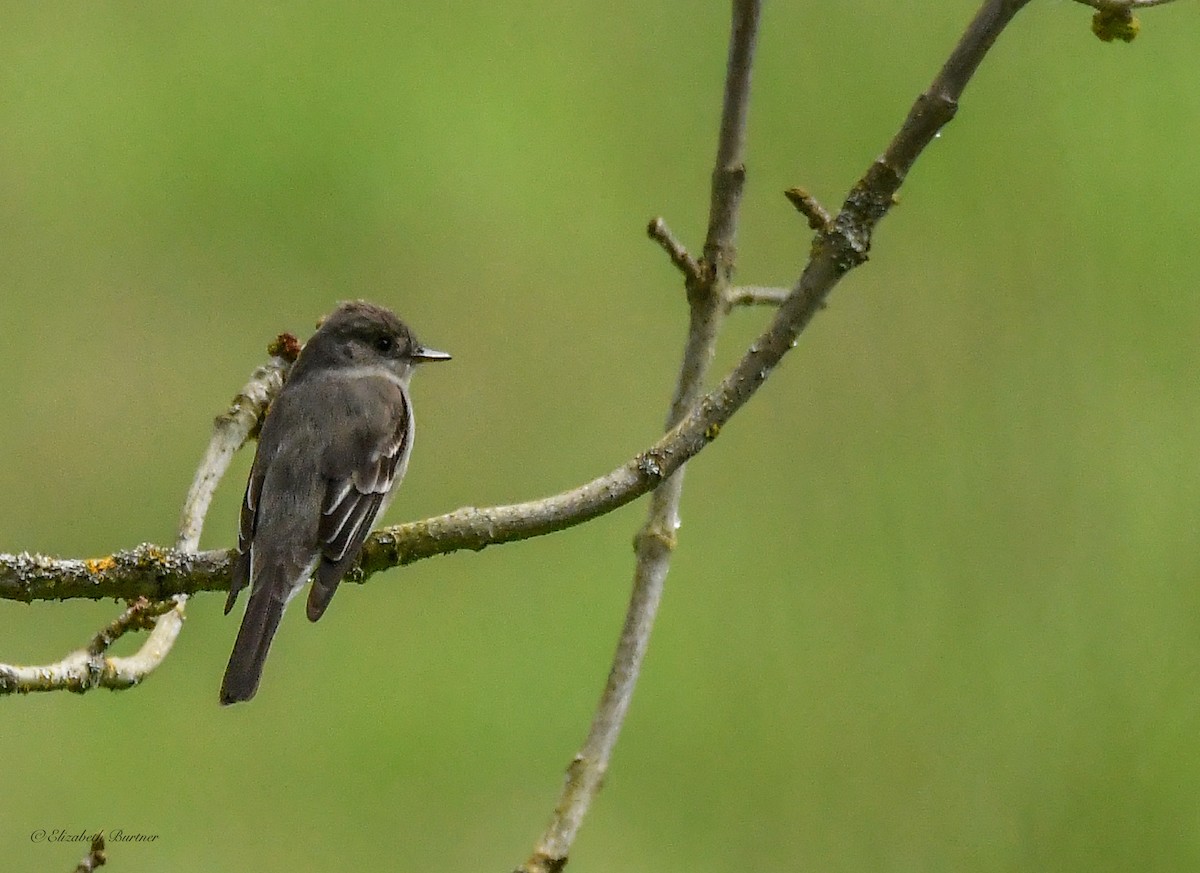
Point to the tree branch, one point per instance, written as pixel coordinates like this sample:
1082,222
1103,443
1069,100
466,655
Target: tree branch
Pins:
755,295
810,207
658,231
94,858
88,667
160,612
231,429
706,292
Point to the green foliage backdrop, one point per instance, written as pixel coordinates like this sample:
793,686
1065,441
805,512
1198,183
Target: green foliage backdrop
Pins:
935,605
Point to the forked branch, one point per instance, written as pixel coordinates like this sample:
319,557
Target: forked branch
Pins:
706,286
161,613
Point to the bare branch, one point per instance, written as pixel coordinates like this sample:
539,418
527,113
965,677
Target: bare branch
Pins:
658,231
88,667
755,295
139,616
845,244
160,612
808,206
729,174
95,857
231,429
656,540
146,571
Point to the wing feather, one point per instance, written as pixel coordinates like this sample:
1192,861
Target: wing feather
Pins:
247,524
353,502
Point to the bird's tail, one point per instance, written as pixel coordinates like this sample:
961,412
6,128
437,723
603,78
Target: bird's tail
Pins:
263,613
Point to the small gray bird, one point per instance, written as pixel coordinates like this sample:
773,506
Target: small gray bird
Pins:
332,451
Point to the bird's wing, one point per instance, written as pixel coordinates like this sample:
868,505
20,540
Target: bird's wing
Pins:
240,574
360,475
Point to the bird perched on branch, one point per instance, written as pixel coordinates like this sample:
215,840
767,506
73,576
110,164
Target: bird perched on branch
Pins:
332,452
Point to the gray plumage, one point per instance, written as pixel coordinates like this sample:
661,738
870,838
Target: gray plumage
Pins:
333,449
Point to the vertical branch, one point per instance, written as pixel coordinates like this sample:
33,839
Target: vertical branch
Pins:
729,174
656,540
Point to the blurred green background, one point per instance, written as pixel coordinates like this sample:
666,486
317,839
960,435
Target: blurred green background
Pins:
935,606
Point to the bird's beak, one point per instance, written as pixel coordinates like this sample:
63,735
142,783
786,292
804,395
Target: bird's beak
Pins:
422,355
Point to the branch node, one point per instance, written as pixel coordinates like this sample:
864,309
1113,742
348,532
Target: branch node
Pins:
657,535
96,857
807,205
285,346
650,465
140,615
1115,23
540,862
658,231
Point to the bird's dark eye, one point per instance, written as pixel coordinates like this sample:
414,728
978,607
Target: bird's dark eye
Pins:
385,344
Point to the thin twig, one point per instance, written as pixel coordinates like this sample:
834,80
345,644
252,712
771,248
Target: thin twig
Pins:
656,540
230,432
94,858
90,667
810,207
755,295
729,173
658,231
140,615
